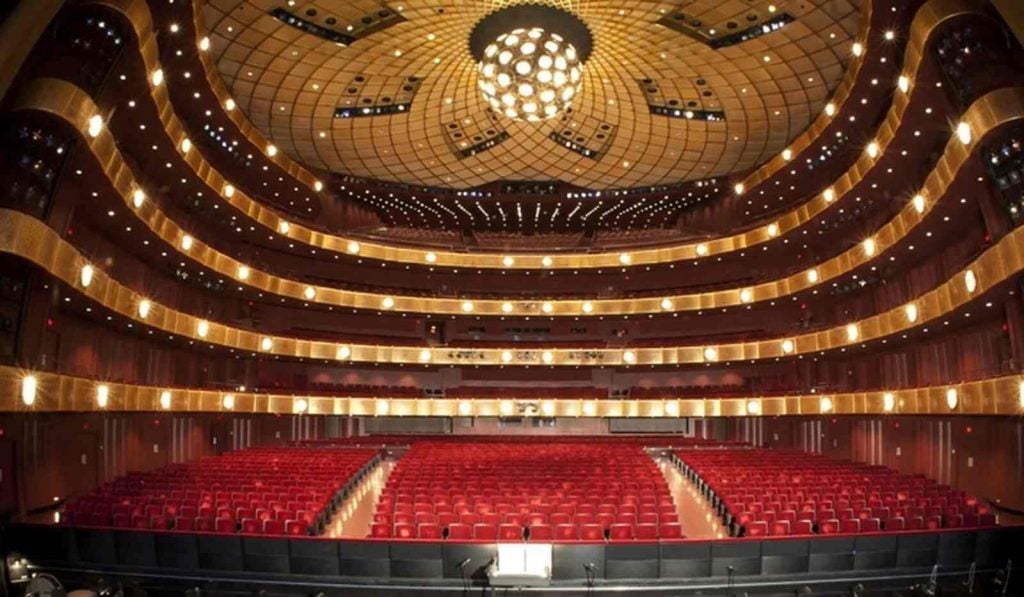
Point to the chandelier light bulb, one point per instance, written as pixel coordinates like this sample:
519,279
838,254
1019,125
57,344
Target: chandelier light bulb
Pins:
530,74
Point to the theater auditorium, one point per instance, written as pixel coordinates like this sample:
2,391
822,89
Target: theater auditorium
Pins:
511,297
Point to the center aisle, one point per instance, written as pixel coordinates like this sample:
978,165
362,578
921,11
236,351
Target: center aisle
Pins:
355,516
696,516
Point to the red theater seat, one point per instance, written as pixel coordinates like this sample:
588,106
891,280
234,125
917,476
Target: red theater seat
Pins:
871,525
780,527
510,532
487,532
802,527
272,527
895,524
670,530
566,532
592,532
541,532
185,523
646,531
757,529
225,525
250,526
296,527
460,531
404,530
621,532
828,527
428,530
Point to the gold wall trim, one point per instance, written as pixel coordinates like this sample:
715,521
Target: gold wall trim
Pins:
927,19
75,106
31,239
63,393
19,33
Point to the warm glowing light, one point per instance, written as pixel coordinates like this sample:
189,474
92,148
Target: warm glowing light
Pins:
301,405
830,109
382,407
852,332
506,356
507,261
505,408
869,246
952,398
229,191
243,272
266,344
431,257
547,408
85,275
425,355
588,307
812,276
629,357
186,145
530,74
157,78
753,407
271,150
186,242
343,353
387,302
506,307
702,249
467,306
144,307
788,346
872,149
283,226
204,44
165,400
857,48
589,408
229,104
1020,394
202,328
666,304
963,132
903,83
888,402
625,259
739,188
465,408
138,198
547,307
546,261
970,281
829,195
672,408
102,395
228,402
918,202
911,311
825,404
773,230
318,186
547,356
787,154
710,354
95,125
29,385
309,292
746,295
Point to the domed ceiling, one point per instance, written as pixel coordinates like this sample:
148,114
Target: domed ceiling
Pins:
671,91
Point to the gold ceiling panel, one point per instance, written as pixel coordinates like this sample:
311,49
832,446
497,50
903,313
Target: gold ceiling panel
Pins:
53,392
925,22
987,113
289,83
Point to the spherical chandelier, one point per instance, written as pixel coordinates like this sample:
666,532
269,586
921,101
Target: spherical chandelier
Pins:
530,74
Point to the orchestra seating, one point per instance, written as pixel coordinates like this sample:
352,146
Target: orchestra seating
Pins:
492,491
272,491
775,492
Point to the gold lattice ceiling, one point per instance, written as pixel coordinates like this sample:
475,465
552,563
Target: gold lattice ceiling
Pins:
290,83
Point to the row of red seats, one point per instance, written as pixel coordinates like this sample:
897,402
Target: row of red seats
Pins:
535,532
436,486
761,492
258,490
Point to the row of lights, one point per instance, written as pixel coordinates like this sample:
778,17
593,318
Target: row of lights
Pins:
30,386
710,353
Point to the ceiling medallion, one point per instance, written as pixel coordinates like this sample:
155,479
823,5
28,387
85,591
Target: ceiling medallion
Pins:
530,60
